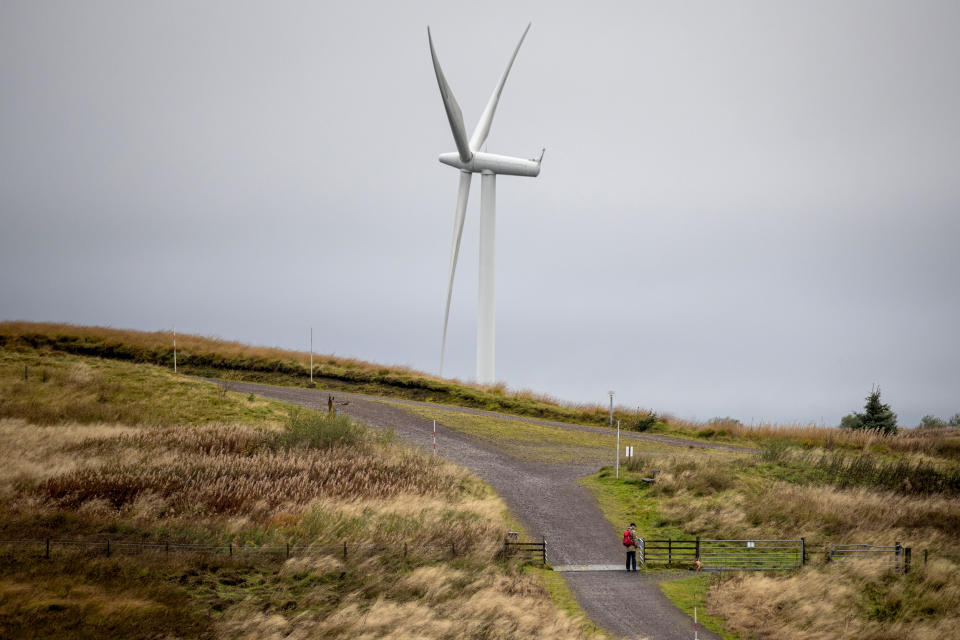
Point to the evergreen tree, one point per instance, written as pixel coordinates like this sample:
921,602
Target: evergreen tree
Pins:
876,416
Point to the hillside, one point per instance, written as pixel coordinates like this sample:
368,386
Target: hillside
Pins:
828,497
99,443
216,358
322,527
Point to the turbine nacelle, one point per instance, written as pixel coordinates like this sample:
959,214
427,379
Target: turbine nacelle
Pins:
483,162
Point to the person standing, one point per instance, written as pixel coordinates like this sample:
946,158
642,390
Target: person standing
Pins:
630,542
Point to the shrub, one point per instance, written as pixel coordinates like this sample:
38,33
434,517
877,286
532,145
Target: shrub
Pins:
315,430
644,422
774,450
932,422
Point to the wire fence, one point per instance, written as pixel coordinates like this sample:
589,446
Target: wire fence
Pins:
50,547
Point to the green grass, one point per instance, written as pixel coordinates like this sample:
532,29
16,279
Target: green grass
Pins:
534,441
624,500
688,593
66,388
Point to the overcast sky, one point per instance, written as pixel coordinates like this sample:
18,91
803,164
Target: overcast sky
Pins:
746,209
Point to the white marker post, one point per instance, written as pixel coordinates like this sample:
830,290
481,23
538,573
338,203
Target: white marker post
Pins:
618,447
695,625
434,437
311,355
174,349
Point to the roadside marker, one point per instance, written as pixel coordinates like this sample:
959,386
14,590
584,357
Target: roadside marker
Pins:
434,437
695,625
618,434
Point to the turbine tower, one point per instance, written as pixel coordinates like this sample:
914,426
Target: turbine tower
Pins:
469,160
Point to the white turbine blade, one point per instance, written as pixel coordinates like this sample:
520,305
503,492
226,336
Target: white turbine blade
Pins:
454,114
483,126
463,192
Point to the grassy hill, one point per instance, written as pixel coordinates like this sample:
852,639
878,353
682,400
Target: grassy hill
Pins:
216,358
387,542
212,357
827,496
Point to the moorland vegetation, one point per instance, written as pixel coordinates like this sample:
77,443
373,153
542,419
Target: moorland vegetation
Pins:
216,358
388,542
99,439
829,496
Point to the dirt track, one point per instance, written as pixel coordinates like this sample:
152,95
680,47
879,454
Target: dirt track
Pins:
548,501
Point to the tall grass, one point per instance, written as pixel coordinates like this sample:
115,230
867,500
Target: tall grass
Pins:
320,458
827,498
859,600
938,442
304,478
321,431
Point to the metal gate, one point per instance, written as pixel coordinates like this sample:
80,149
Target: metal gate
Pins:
752,555
896,554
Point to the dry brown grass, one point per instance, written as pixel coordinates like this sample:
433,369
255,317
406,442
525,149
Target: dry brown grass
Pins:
33,453
856,600
251,482
751,498
936,442
431,603
743,497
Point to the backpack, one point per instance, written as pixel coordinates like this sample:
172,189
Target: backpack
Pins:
627,538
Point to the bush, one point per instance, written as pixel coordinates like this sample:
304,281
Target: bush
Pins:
725,422
774,450
315,430
932,422
644,422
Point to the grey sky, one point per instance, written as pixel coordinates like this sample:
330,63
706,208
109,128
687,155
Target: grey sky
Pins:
746,208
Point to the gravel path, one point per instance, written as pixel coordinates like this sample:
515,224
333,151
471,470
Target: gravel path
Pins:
549,502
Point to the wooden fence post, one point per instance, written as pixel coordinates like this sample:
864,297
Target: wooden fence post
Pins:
698,547
166,549
288,549
669,550
453,547
906,559
231,547
108,548
898,556
925,557
47,552
344,550
404,550
803,551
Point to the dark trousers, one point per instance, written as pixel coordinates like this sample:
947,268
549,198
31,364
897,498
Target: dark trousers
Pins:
632,557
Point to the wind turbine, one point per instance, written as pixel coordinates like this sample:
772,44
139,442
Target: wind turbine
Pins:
469,160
